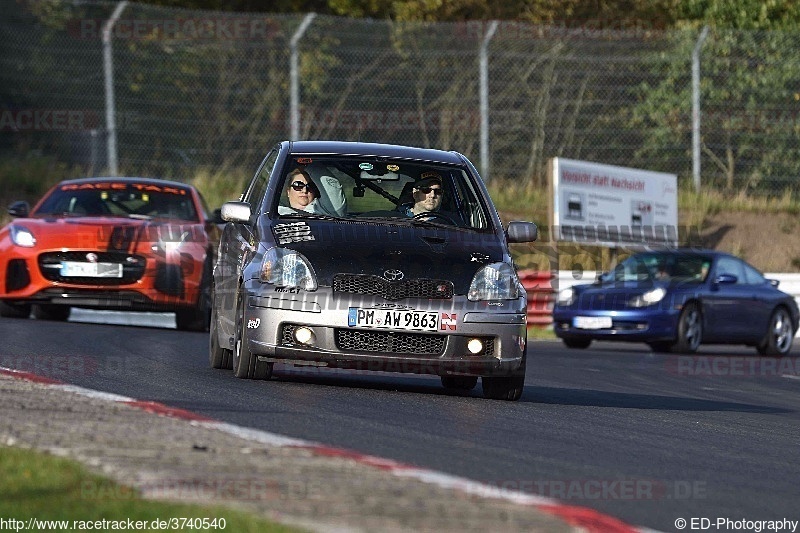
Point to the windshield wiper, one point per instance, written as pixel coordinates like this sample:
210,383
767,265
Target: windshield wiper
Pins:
319,216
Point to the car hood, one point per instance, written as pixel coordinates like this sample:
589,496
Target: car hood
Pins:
107,233
611,296
373,249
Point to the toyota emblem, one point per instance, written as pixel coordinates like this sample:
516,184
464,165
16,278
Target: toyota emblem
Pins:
393,275
91,257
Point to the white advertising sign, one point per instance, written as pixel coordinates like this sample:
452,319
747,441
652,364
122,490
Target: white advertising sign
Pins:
607,205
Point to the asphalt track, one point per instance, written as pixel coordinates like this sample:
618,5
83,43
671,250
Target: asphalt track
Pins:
643,437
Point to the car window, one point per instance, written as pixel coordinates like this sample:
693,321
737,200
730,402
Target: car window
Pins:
255,192
362,187
142,200
662,267
731,265
754,277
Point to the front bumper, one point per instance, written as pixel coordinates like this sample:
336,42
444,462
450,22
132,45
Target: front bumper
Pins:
270,320
157,286
637,326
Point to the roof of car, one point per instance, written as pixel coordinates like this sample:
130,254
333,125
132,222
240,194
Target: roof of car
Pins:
128,179
376,149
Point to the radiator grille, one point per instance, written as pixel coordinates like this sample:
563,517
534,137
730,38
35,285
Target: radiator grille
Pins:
389,342
133,267
430,289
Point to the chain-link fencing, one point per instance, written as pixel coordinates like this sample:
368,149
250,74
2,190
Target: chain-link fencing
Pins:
204,89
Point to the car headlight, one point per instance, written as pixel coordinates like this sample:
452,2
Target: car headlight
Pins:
648,298
288,269
22,237
496,281
566,296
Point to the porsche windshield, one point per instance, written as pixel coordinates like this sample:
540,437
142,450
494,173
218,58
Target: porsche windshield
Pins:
377,188
118,199
661,267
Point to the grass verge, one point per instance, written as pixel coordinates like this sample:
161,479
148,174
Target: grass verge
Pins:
36,485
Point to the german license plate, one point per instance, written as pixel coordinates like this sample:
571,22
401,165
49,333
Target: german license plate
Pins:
592,322
393,319
78,269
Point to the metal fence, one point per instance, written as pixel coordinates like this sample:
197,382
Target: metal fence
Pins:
203,89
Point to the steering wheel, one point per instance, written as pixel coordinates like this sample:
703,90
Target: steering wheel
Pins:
434,214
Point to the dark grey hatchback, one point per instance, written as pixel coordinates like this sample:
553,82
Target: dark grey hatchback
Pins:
370,257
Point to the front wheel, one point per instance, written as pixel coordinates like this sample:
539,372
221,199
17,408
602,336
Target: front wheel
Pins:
197,318
246,364
690,329
780,334
218,357
463,383
58,313
506,388
15,310
577,343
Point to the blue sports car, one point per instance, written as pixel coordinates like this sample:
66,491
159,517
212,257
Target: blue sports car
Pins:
676,300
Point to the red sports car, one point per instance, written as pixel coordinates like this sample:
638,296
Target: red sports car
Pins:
128,244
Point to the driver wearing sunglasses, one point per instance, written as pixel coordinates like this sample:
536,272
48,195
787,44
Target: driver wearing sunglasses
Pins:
427,194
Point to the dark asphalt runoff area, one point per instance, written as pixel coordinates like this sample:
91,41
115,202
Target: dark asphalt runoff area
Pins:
647,438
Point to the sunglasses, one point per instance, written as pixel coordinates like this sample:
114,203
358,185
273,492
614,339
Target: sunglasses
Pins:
299,186
427,190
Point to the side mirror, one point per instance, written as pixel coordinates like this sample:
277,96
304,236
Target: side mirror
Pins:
519,231
774,282
235,212
19,209
726,279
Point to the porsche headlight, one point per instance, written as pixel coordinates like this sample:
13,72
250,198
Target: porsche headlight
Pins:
22,236
648,298
288,269
566,296
496,281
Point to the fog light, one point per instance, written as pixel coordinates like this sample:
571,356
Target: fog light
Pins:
303,335
475,346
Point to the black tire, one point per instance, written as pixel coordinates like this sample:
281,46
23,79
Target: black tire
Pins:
506,388
58,313
464,383
577,343
661,346
15,310
779,336
690,329
246,364
197,318
218,357
191,319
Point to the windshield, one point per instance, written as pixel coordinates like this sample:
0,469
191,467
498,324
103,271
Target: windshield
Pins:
354,187
135,200
661,267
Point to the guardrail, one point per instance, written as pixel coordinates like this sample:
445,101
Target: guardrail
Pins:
542,286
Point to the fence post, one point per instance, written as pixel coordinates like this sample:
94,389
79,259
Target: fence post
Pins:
484,96
294,76
696,108
108,72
